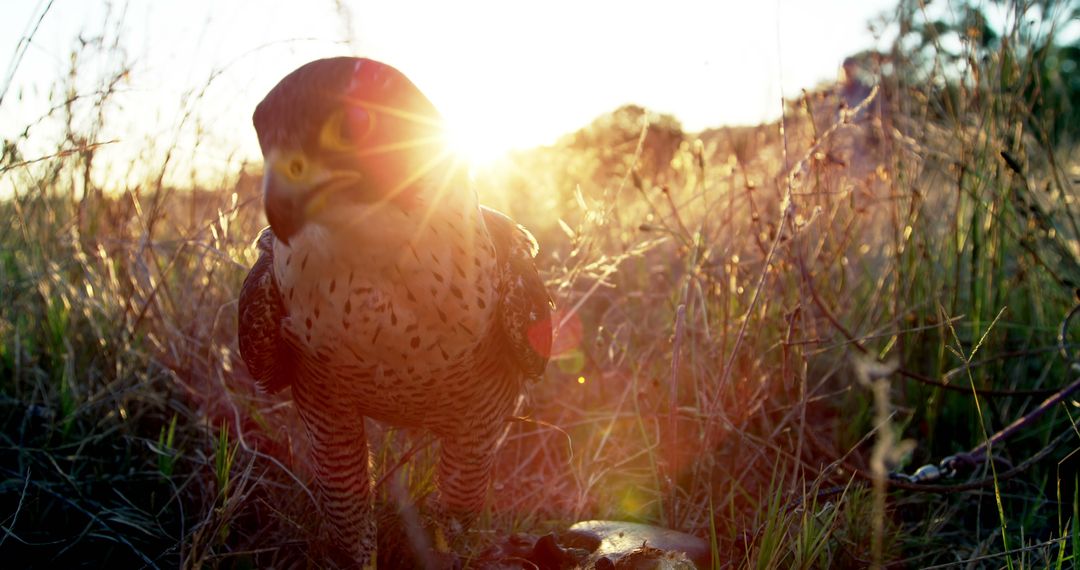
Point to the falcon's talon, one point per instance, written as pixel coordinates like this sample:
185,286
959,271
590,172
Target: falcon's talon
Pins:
381,283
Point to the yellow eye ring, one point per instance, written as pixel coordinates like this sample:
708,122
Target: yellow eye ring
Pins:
332,136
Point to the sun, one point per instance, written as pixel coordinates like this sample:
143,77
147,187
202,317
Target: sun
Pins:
474,144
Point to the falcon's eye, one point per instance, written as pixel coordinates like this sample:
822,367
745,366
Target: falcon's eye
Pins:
346,129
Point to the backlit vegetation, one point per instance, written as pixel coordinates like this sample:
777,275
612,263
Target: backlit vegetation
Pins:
748,316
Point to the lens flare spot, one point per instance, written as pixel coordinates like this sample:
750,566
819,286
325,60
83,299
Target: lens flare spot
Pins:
580,379
571,361
632,503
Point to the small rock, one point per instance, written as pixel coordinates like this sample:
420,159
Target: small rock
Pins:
520,551
599,545
638,546
550,555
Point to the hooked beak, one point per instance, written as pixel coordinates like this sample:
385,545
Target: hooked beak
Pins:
283,207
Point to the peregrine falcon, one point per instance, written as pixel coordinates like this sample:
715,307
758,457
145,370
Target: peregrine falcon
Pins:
383,289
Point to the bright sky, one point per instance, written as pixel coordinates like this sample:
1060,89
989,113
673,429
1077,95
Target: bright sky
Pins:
505,74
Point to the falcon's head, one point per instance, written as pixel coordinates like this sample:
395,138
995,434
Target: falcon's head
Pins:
340,135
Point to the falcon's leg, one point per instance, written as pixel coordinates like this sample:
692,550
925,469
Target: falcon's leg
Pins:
465,466
340,454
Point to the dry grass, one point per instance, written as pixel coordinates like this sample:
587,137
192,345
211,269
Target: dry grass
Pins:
721,297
